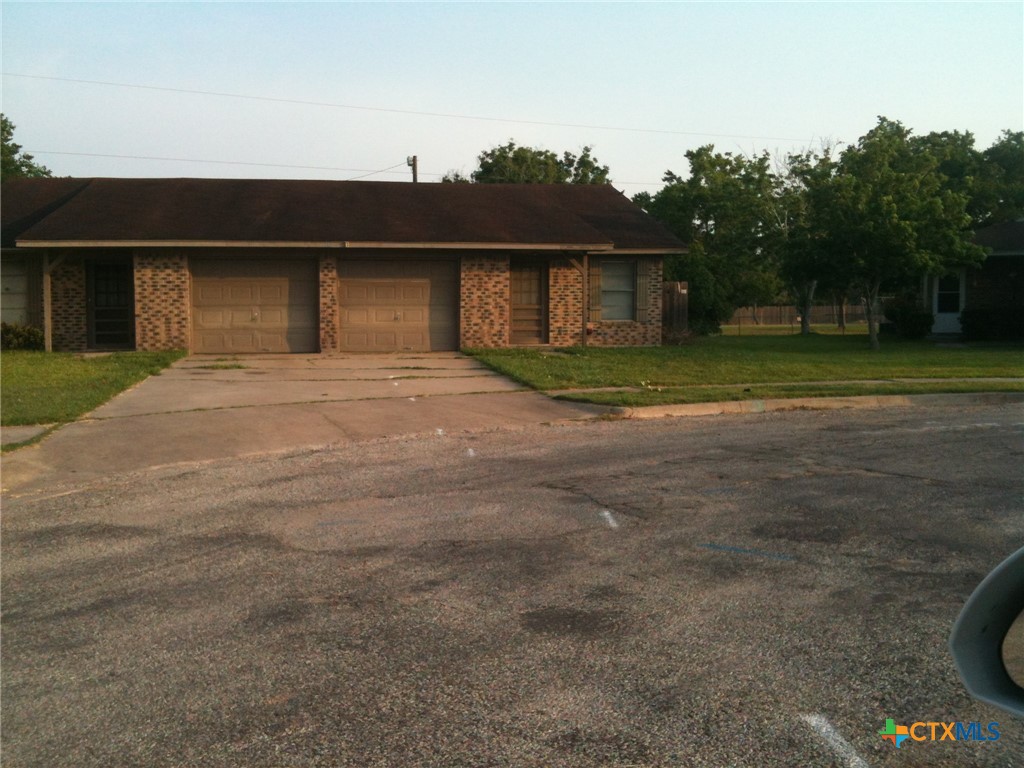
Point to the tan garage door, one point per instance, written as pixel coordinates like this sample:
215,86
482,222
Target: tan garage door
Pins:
254,305
399,305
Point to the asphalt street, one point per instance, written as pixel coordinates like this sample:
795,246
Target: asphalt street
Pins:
757,590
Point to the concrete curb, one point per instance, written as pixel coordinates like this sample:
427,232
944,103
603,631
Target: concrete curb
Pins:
820,404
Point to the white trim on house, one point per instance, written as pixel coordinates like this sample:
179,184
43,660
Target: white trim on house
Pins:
948,322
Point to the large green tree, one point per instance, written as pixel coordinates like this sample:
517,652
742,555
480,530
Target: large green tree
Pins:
992,180
895,216
1000,192
13,162
809,257
511,164
727,211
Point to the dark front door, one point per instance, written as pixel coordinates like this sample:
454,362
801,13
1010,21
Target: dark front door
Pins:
111,305
529,303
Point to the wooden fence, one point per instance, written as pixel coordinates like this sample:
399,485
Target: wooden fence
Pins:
674,309
788,315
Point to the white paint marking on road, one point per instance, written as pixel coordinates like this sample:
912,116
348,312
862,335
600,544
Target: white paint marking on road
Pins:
839,745
609,518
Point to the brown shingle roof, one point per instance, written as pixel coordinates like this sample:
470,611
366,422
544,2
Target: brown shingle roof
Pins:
24,202
1004,239
283,211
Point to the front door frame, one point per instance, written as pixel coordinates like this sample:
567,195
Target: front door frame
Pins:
948,322
92,285
524,263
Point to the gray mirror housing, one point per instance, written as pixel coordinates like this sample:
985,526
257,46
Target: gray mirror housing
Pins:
977,637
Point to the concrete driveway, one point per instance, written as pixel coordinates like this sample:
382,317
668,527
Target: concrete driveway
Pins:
208,407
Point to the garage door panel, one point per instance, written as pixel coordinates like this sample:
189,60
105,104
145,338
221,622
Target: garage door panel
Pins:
271,293
276,316
398,305
383,293
354,292
416,293
255,305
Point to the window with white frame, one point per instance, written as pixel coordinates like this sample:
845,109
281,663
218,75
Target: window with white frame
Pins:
618,290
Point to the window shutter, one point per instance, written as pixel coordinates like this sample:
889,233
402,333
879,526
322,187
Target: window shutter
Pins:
595,291
643,284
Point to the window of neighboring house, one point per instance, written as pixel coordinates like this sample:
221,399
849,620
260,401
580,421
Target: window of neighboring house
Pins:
947,294
618,290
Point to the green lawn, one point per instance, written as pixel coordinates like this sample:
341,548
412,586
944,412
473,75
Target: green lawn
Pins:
56,387
722,362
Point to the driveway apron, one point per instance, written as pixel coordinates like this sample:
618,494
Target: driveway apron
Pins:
206,407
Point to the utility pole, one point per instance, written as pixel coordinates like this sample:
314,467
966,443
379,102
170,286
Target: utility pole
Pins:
413,162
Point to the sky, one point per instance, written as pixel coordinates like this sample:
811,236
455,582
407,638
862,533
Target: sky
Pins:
343,90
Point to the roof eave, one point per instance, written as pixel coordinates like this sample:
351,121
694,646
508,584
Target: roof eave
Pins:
339,244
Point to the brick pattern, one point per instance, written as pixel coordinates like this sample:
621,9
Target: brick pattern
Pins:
997,284
629,333
163,300
68,308
565,304
330,312
484,301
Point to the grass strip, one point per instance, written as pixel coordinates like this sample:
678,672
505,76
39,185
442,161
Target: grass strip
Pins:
725,360
704,394
58,387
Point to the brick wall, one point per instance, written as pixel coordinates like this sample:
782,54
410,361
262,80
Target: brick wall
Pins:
68,309
330,313
629,333
484,301
565,303
162,301
997,284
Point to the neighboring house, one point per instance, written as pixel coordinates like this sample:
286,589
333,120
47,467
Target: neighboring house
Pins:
991,290
229,266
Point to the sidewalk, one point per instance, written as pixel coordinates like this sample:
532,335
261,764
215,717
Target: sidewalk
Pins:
959,400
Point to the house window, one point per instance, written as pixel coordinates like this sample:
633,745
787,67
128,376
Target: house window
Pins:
618,290
947,294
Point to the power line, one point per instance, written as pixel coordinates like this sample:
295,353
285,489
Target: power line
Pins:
367,171
374,173
449,115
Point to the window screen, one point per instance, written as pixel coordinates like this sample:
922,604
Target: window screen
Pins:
618,290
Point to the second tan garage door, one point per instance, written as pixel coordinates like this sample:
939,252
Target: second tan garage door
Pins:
399,306
254,305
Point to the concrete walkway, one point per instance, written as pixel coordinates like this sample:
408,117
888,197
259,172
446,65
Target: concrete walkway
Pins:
204,408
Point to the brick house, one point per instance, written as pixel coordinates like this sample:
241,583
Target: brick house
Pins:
231,266
993,293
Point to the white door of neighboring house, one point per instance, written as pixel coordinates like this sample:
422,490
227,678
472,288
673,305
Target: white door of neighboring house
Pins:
947,302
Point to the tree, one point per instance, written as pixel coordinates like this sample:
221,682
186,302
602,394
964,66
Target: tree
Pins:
992,180
1001,188
510,164
726,211
808,254
895,216
13,162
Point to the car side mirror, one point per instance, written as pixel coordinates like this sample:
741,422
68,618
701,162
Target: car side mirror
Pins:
987,641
